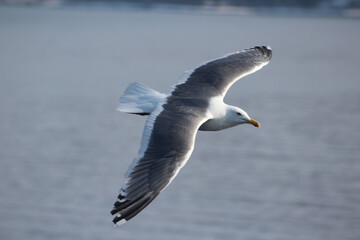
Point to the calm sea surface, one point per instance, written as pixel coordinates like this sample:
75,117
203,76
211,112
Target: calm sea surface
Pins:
64,148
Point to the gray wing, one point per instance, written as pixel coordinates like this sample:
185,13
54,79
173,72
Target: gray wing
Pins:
215,77
168,141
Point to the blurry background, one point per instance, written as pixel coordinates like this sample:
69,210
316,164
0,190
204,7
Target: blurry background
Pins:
64,148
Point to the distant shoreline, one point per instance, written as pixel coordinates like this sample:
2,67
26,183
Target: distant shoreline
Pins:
184,7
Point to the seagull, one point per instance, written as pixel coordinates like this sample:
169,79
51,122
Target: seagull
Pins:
194,103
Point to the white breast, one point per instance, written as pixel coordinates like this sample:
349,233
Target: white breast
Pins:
217,107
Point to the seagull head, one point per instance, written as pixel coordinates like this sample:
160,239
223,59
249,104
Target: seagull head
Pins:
239,116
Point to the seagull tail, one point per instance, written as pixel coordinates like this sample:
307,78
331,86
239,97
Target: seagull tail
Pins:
125,209
139,99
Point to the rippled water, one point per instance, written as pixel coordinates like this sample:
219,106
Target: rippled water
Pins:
64,149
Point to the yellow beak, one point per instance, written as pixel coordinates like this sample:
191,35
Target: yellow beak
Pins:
253,122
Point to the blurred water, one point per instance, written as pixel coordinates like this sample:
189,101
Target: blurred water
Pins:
64,149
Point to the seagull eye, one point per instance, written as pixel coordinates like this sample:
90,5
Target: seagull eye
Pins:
239,114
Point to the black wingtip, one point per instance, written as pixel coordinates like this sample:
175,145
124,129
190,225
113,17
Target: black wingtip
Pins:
125,210
120,196
265,50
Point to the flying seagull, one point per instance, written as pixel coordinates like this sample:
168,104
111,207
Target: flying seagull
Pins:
194,103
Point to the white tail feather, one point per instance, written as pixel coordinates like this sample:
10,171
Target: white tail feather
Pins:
140,99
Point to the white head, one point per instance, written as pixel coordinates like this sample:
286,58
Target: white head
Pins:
236,116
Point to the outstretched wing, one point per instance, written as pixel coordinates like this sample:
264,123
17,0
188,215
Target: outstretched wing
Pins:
215,77
167,143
